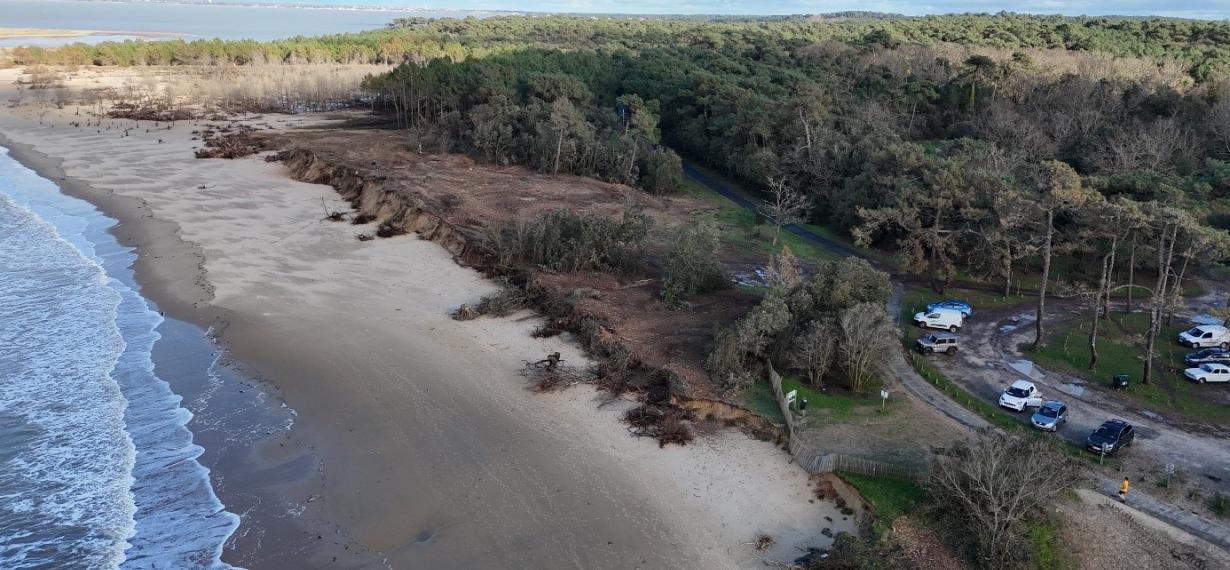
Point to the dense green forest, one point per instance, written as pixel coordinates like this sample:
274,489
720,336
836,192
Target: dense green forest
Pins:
1067,165
1201,46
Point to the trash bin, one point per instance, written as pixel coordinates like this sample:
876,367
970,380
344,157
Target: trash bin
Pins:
1119,382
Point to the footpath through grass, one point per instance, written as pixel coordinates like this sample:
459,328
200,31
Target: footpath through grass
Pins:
1119,351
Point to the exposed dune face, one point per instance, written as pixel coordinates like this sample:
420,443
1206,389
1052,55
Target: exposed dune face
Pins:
416,442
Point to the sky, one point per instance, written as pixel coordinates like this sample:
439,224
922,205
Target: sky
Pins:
1200,9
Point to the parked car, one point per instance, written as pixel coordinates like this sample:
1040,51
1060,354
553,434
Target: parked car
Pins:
1020,395
1110,437
1205,336
1209,355
1050,416
1208,372
944,319
937,342
954,304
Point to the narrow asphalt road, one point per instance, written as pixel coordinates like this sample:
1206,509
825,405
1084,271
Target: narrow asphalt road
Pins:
744,202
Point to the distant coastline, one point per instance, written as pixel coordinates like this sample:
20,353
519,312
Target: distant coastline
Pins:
304,6
13,33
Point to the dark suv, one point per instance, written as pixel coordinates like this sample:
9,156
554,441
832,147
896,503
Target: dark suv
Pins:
1207,355
1110,437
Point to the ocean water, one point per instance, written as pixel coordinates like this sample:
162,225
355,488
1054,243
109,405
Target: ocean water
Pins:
97,466
195,21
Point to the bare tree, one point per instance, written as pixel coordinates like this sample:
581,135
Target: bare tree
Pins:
1168,222
1058,189
813,351
866,336
784,270
784,206
992,485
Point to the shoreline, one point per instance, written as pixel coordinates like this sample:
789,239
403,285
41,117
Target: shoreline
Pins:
66,33
398,453
189,352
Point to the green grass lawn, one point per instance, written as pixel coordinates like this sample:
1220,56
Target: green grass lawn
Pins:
834,404
890,498
1119,350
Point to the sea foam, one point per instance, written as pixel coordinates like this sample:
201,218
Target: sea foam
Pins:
97,466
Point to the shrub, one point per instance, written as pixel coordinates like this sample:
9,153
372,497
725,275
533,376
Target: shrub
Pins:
692,266
568,241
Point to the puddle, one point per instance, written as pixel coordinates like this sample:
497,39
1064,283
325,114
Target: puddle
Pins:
1025,367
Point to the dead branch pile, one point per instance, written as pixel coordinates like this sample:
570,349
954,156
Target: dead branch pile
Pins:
230,143
506,301
666,424
148,112
360,219
547,379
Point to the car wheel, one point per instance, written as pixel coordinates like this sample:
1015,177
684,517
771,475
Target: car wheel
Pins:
952,351
953,329
928,350
1200,381
1225,346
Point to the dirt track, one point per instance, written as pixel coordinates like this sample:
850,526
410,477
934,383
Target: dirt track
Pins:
1201,459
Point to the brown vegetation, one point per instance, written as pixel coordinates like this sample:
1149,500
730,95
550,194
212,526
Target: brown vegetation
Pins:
230,142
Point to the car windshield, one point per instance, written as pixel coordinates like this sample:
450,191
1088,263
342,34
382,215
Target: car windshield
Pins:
1106,432
1195,332
1206,367
1048,412
1017,392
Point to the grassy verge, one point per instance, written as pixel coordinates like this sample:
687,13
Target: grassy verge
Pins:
741,232
833,404
1119,351
1049,550
890,498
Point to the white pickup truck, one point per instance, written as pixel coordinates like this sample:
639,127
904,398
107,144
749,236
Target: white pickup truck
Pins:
1020,395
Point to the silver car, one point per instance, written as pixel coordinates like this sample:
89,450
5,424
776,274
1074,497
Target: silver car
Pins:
1050,416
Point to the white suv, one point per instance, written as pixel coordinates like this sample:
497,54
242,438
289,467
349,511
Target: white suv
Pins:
1205,336
1020,395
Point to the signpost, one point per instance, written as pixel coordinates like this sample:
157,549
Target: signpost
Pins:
1169,473
791,397
883,399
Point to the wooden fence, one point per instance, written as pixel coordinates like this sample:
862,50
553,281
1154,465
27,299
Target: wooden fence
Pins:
816,461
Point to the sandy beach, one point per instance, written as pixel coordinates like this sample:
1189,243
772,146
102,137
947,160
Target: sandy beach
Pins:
415,443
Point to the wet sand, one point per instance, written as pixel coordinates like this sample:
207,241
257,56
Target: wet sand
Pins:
415,444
